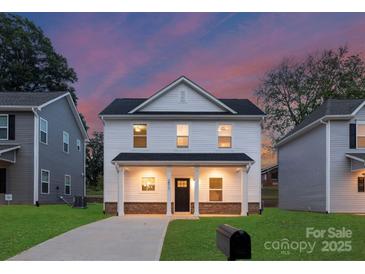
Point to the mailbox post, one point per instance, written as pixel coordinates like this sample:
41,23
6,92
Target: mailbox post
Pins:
233,242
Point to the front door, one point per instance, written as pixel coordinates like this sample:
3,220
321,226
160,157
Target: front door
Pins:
182,195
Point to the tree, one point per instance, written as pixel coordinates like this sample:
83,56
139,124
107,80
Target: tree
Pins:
94,158
28,61
293,89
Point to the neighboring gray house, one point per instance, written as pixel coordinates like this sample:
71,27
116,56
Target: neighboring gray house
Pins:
42,147
321,161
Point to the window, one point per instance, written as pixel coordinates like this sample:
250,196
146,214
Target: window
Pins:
360,136
215,189
224,136
66,142
148,184
78,145
45,174
360,184
67,185
139,136
4,125
44,131
182,132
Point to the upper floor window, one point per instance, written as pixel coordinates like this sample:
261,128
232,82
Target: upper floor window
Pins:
78,144
225,136
44,131
4,126
66,142
140,136
182,132
360,136
67,185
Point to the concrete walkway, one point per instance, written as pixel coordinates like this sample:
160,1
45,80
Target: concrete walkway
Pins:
129,238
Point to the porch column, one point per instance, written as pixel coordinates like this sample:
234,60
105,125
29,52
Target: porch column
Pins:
244,188
196,190
120,189
168,176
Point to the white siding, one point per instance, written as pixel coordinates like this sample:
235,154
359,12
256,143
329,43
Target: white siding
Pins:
161,135
344,195
170,101
133,178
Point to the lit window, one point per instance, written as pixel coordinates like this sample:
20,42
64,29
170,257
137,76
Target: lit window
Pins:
78,145
215,189
67,185
182,132
148,184
361,135
4,124
45,181
66,142
360,184
139,136
44,131
224,136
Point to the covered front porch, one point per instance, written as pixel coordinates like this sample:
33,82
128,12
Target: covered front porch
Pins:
193,185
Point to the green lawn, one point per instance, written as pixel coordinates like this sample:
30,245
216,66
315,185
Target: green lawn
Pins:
195,239
23,226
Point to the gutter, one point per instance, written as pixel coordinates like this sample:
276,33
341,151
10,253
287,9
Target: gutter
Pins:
36,156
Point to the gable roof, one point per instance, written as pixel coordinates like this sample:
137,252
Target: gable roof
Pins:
185,80
27,99
331,108
20,100
123,106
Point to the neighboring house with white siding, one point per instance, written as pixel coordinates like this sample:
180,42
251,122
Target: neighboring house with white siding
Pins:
182,150
42,148
321,161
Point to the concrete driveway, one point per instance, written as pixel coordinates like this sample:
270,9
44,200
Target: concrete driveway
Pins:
128,238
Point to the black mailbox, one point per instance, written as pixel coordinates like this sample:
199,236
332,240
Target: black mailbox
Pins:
79,202
234,243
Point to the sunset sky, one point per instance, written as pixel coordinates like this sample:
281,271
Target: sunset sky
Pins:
135,54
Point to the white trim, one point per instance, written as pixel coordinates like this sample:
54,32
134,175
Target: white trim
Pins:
307,127
78,144
9,149
49,181
184,163
36,157
176,82
177,136
63,142
84,169
358,108
40,130
181,116
221,189
7,127
196,190
328,167
64,184
355,158
231,145
52,100
139,124
358,123
244,190
168,200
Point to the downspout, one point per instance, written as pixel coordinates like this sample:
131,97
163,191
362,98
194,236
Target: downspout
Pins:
84,173
328,165
36,157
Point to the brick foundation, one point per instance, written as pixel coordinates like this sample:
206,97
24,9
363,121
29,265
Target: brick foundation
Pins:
111,208
225,208
145,208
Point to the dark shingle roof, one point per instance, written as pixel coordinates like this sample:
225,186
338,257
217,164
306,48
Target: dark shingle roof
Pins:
8,147
18,98
329,107
225,157
357,155
124,105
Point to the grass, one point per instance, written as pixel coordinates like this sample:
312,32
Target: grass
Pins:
195,239
23,226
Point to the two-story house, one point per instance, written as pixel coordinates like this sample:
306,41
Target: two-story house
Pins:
42,147
321,161
182,150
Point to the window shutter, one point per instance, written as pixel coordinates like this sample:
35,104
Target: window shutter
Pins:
352,135
11,127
